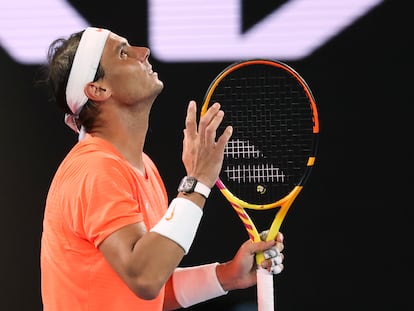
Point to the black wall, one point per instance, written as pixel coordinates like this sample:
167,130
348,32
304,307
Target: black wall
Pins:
347,235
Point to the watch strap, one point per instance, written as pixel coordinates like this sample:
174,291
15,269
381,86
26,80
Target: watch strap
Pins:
202,189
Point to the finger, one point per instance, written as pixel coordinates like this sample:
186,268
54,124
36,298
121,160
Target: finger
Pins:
191,120
208,116
280,246
263,235
225,137
274,265
276,269
210,121
270,253
279,237
263,246
277,260
211,128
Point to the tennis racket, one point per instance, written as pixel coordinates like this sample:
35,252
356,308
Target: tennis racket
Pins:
273,147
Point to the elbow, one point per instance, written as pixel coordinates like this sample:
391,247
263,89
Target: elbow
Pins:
147,289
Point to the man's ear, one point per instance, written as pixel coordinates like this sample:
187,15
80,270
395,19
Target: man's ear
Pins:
95,92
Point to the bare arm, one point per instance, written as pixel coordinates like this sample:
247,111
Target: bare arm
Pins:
144,260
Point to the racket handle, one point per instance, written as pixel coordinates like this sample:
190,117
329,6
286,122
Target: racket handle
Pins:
265,299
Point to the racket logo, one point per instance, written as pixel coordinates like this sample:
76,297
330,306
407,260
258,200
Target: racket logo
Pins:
261,189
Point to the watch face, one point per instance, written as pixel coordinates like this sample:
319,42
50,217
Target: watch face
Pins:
187,184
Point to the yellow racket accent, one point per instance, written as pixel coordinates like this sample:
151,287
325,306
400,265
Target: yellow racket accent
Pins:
240,206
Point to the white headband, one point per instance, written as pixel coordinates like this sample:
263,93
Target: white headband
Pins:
84,67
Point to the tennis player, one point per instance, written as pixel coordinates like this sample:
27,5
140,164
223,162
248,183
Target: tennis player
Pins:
111,239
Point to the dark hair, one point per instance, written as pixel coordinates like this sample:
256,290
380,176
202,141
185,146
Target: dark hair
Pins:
59,63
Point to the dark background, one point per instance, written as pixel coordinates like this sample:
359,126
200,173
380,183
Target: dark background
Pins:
348,240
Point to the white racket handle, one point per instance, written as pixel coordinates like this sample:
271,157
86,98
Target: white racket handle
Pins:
265,299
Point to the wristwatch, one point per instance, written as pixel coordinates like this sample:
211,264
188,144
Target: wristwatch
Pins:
189,184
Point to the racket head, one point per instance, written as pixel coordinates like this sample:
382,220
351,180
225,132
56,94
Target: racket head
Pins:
275,132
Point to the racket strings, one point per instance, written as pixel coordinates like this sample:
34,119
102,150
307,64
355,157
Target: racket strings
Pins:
237,148
251,173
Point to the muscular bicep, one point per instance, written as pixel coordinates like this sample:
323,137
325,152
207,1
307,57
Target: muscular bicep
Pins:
119,246
144,260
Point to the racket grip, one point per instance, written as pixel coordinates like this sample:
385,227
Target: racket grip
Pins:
265,299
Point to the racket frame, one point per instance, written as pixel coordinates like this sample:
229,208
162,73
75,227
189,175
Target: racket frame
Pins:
284,203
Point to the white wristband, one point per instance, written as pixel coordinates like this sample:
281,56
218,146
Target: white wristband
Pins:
180,222
193,285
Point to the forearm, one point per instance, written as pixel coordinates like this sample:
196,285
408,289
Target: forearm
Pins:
145,260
